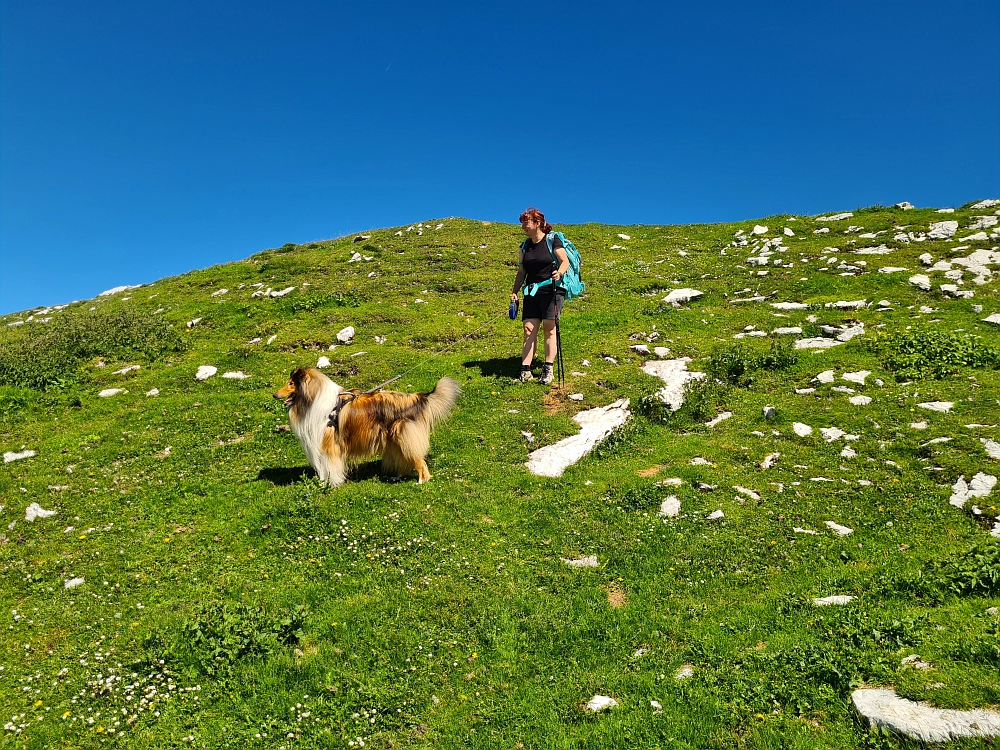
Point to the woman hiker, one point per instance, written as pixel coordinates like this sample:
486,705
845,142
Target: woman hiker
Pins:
543,307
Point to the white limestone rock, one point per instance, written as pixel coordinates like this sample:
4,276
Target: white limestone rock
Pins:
10,456
837,599
827,376
838,529
601,703
860,400
679,297
980,486
905,205
835,217
205,372
721,418
921,281
992,447
670,507
856,377
590,561
817,343
801,429
126,370
117,289
942,230
994,318
758,229
940,406
674,373
595,426
109,392
787,331
345,335
72,583
788,232
789,306
715,515
892,269
35,510
988,203
921,722
235,375
684,672
152,392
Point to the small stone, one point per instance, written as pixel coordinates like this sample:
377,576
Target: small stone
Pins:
770,460
236,375
576,397
860,400
72,583
848,452
721,418
35,510
856,377
801,429
670,507
918,425
346,335
639,348
109,392
715,515
323,362
994,318
803,391
205,372
12,456
827,601
581,562
939,406
152,392
816,343
921,281
758,229
914,660
681,296
699,461
601,703
992,447
838,529
684,672
770,413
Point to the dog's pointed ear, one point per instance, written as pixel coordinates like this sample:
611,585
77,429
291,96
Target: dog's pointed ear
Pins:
297,374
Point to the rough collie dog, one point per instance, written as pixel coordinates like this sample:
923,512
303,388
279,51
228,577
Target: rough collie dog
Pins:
337,427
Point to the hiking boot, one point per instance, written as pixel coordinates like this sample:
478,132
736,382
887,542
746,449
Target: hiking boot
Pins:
525,376
546,375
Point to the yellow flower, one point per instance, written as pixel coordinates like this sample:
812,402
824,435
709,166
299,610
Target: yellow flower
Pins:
38,703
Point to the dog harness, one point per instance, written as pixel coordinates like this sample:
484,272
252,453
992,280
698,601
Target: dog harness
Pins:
342,399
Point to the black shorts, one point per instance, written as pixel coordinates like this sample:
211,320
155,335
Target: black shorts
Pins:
543,305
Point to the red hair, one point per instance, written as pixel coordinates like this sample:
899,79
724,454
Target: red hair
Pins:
535,215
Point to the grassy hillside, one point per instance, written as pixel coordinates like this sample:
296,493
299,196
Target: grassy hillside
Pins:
228,600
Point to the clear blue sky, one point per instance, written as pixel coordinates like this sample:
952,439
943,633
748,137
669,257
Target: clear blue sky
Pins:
145,139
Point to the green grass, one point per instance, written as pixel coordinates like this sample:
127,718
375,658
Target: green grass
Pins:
286,614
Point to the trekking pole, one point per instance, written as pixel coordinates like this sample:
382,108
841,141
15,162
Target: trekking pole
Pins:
559,357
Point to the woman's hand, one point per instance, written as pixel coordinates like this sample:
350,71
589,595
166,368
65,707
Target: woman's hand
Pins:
513,297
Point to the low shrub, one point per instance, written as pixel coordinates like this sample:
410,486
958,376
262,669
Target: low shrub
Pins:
922,353
972,573
736,364
48,355
219,635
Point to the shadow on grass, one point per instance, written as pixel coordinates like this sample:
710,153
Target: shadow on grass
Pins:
284,476
498,367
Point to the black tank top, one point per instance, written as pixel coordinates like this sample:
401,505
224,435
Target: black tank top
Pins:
537,261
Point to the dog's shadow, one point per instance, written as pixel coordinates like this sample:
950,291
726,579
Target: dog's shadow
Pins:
498,367
284,477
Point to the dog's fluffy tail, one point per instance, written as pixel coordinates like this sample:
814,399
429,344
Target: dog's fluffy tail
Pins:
441,400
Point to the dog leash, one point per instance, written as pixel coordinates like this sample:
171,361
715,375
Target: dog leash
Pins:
489,321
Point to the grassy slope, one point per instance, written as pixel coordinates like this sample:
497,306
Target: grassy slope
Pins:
441,614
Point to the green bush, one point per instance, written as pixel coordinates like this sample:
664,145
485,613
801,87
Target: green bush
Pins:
972,573
736,364
219,635
49,355
923,353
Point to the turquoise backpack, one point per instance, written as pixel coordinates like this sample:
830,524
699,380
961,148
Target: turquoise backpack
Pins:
570,282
